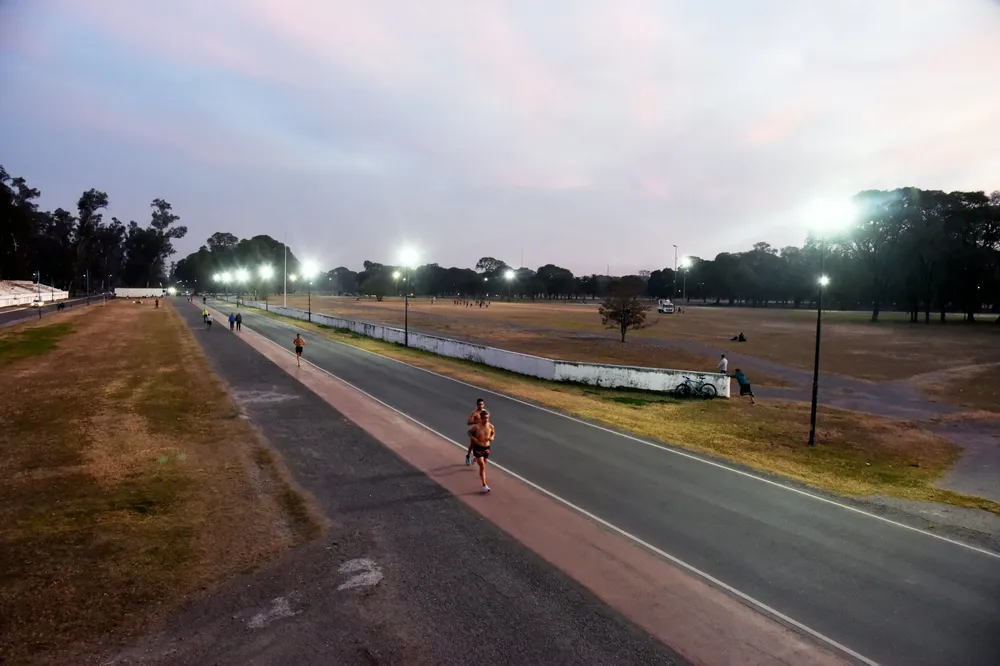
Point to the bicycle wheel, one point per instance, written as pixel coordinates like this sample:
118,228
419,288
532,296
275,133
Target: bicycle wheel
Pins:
708,391
683,391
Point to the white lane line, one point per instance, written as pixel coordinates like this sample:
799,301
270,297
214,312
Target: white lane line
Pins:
759,605
677,452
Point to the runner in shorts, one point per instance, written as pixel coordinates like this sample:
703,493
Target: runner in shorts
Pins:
299,343
482,434
473,420
208,321
744,383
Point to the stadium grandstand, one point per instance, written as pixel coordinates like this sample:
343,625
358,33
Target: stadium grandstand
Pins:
25,292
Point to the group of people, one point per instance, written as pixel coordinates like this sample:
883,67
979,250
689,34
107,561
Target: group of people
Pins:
468,304
741,379
481,435
235,321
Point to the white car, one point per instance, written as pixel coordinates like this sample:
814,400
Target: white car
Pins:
37,303
664,306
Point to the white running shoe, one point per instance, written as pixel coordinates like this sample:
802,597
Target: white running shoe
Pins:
485,489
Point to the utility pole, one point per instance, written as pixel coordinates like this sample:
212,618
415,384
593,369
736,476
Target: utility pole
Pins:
674,296
285,243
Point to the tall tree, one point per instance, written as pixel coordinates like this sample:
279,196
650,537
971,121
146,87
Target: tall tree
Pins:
623,310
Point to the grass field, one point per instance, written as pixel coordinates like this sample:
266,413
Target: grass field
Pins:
129,481
779,350
859,455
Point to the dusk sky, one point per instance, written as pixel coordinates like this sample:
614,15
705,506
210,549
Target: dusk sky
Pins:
586,132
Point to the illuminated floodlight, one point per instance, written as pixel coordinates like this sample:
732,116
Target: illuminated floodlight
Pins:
486,279
217,277
510,274
828,217
686,262
242,275
408,257
266,272
824,280
395,275
308,269
293,277
172,291
225,277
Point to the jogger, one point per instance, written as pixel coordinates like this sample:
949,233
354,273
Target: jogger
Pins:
299,343
482,434
474,419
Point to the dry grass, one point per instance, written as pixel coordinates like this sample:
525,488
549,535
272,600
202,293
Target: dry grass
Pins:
858,455
974,387
129,483
890,350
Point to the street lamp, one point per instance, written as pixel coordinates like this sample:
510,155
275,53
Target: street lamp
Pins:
308,270
673,296
509,275
395,281
827,217
685,265
408,259
266,272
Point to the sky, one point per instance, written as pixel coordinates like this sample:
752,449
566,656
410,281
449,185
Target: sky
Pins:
584,133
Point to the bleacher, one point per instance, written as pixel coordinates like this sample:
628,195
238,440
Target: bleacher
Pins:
23,292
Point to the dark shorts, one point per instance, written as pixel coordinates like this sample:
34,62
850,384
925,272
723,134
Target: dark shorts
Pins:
480,451
745,389
298,350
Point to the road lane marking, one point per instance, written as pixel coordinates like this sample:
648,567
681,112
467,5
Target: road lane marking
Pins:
668,449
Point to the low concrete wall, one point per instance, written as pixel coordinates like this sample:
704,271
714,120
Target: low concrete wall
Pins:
607,376
628,376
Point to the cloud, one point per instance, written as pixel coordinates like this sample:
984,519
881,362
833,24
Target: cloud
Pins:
672,120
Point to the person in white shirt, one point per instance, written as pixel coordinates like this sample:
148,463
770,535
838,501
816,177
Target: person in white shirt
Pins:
724,365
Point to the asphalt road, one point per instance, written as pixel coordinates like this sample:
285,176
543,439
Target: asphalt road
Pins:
894,595
10,316
455,588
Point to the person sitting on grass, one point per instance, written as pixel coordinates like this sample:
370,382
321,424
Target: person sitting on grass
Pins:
744,383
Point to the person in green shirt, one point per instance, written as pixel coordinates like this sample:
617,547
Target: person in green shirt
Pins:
744,383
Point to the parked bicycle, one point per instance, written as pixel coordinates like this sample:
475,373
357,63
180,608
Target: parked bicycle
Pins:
690,388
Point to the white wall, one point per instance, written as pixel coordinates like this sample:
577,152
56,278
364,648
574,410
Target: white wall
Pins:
140,292
607,376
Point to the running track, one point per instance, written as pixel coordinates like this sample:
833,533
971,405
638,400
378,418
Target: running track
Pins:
891,594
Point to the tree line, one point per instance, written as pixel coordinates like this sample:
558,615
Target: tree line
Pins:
72,250
924,252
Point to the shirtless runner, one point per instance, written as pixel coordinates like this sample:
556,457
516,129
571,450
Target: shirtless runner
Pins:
299,343
482,434
473,420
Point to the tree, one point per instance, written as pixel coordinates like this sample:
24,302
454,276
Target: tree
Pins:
378,283
623,310
490,265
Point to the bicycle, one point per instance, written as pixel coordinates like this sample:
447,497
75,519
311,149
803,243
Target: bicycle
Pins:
689,388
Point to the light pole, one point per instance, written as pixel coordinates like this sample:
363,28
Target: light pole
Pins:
830,216
308,270
265,274
823,282
510,278
284,301
293,277
673,296
242,275
409,260
685,265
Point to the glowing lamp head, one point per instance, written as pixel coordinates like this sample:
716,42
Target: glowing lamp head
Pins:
266,272
509,274
242,275
685,263
293,277
824,281
308,270
395,275
408,257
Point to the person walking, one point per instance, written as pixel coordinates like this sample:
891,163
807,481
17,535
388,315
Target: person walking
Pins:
473,420
232,322
482,434
239,321
204,315
299,343
208,320
723,365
